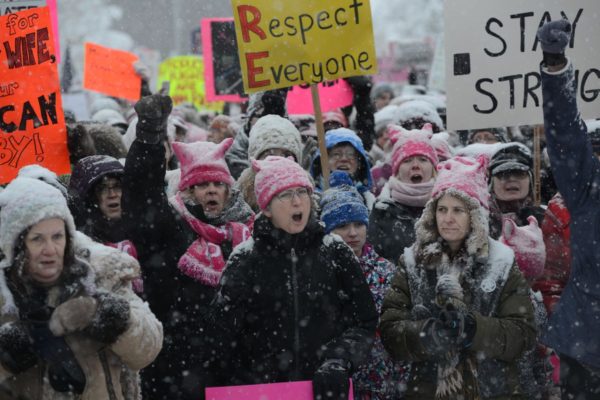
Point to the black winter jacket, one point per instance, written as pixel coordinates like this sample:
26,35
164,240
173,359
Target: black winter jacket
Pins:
287,303
392,228
161,237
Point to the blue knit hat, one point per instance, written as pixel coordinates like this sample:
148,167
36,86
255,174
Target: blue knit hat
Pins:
342,204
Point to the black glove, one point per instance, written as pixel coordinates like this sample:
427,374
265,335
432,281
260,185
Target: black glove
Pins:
153,113
459,325
331,381
16,348
111,318
64,372
554,37
436,339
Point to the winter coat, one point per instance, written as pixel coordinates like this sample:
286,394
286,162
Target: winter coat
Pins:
381,377
237,155
181,302
576,171
494,292
289,302
392,226
363,181
111,371
556,230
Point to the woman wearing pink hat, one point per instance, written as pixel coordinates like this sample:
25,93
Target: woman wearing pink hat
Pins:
293,299
459,307
392,220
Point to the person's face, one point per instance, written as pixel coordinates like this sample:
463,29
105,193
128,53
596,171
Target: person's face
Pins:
290,210
511,185
217,135
108,192
415,169
45,250
453,221
354,234
343,157
212,196
485,137
383,100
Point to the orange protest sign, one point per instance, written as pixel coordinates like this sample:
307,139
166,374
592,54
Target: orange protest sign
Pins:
111,72
32,126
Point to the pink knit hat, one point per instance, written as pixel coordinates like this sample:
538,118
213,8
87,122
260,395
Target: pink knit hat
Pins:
203,162
463,174
416,142
274,175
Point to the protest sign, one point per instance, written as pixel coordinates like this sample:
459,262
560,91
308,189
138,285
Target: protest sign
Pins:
283,43
271,391
222,72
31,116
110,71
493,58
13,6
334,94
185,75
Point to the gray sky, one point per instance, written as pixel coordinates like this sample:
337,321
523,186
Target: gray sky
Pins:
167,25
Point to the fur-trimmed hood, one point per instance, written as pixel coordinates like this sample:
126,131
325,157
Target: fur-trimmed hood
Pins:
429,245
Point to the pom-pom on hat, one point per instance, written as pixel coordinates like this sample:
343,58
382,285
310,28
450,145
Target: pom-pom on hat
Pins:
203,162
416,142
274,132
463,174
342,204
24,203
274,175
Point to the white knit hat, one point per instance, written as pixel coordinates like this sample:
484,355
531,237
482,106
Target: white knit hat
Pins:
274,132
24,203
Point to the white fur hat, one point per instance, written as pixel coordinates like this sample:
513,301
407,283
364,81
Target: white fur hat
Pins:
23,203
274,132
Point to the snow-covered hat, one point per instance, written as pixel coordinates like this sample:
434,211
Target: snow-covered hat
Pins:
23,203
513,156
417,113
335,115
439,141
110,117
384,117
274,132
274,175
342,204
203,162
43,174
465,175
416,142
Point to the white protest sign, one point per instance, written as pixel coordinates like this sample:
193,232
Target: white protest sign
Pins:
13,6
493,58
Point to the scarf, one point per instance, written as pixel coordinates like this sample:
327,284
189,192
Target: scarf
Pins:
410,194
203,260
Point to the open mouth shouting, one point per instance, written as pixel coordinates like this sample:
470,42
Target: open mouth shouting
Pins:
416,177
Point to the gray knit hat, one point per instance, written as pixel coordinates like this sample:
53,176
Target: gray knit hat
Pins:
274,132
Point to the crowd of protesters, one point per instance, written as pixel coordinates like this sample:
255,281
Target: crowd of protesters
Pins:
189,250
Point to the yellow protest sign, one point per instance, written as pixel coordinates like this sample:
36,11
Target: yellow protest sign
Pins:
284,43
185,75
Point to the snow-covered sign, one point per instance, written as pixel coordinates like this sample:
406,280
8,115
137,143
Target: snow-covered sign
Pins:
285,43
493,57
32,125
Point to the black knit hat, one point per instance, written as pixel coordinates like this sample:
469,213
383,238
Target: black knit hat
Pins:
511,157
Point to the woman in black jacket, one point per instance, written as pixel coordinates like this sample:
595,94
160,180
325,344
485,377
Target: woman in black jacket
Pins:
293,304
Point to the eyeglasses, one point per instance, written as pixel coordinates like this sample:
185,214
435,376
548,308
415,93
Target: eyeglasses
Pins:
288,195
516,174
104,189
340,154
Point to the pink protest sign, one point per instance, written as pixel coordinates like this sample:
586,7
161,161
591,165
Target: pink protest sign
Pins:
271,391
334,94
222,71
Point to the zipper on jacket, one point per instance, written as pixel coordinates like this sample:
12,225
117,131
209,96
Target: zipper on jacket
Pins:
296,313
